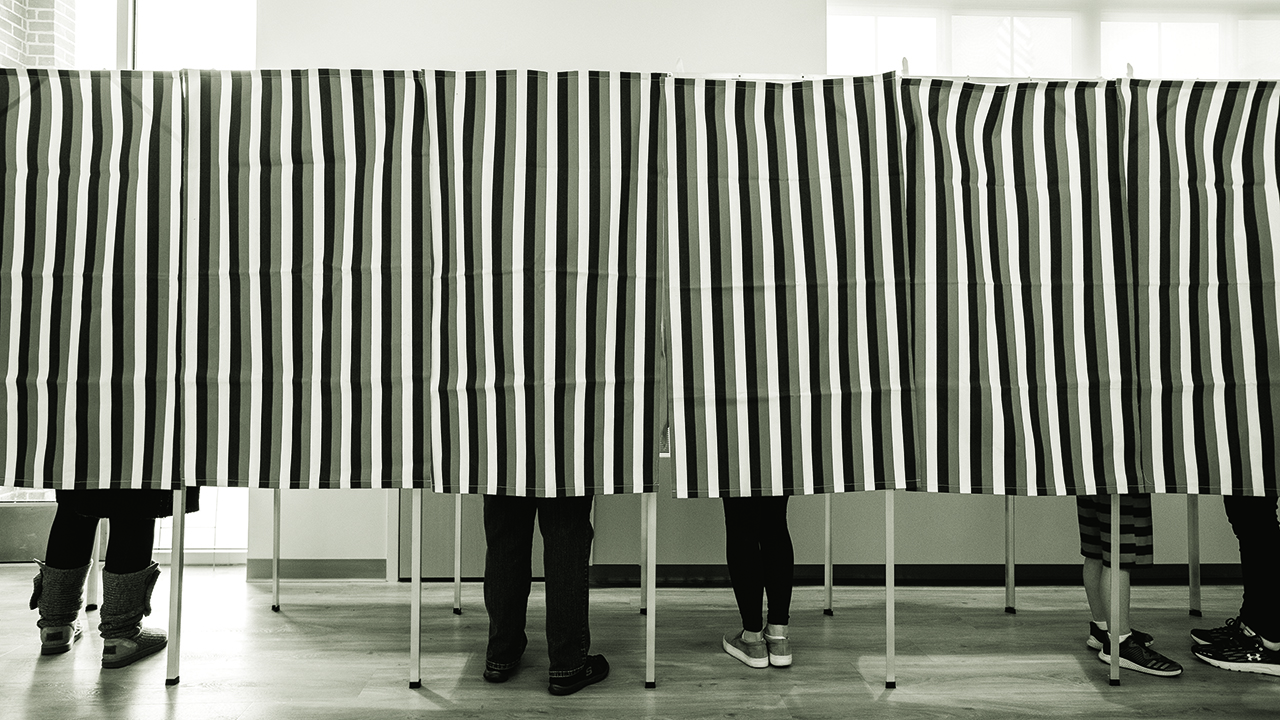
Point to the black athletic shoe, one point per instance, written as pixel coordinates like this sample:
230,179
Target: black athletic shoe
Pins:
1251,656
499,675
593,671
1232,632
1134,656
1098,639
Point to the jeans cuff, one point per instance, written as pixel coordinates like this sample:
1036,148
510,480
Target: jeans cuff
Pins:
490,665
566,673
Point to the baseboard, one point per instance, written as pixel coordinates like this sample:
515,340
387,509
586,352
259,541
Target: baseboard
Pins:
919,574
297,569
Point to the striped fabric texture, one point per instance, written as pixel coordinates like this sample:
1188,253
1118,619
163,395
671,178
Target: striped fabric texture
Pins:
1203,200
546,357
789,289
306,288
89,278
1023,339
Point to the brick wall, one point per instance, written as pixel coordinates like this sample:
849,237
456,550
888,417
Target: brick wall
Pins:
37,33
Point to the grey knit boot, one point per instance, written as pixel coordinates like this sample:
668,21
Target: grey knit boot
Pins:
126,599
58,595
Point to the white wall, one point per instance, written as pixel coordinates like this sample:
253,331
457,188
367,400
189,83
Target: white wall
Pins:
710,36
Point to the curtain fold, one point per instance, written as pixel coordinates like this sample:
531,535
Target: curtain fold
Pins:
1024,334
546,357
306,279
789,289
90,166
1203,200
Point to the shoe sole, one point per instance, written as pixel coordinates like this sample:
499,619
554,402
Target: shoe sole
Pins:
133,657
1130,665
55,649
1263,669
758,663
780,660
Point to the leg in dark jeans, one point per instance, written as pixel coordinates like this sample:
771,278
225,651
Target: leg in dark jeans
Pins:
508,530
129,542
1253,519
760,556
566,533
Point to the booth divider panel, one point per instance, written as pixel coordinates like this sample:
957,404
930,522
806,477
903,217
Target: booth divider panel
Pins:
1023,314
307,286
789,289
546,357
1203,202
90,164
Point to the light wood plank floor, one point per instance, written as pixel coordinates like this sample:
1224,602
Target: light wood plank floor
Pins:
340,650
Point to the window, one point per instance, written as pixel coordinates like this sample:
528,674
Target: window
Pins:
1055,38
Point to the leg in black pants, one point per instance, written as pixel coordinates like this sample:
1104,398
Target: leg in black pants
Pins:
1253,519
129,542
760,557
567,534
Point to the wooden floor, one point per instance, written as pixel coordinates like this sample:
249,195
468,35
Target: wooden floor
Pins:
340,650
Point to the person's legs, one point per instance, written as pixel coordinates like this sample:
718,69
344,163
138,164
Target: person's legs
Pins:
129,545
1253,519
742,520
70,540
508,529
777,557
58,587
566,529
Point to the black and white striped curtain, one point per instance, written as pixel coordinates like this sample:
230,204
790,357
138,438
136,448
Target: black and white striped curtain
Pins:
306,288
789,289
546,358
1024,337
1203,203
90,166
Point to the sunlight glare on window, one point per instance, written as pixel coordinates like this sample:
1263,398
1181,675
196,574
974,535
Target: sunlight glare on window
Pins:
1258,49
851,45
1189,50
174,34
1136,43
915,38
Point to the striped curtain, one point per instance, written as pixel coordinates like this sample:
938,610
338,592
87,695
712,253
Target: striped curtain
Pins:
789,289
546,357
89,278
306,291
1023,319
1203,199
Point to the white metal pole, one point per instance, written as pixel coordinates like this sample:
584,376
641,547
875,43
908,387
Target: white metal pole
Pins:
415,593
94,592
1010,599
644,554
457,554
176,559
890,634
1193,554
650,501
275,549
1114,622
828,574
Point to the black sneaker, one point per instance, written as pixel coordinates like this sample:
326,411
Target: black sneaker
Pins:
1233,632
1099,640
593,671
1250,656
499,675
1134,656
